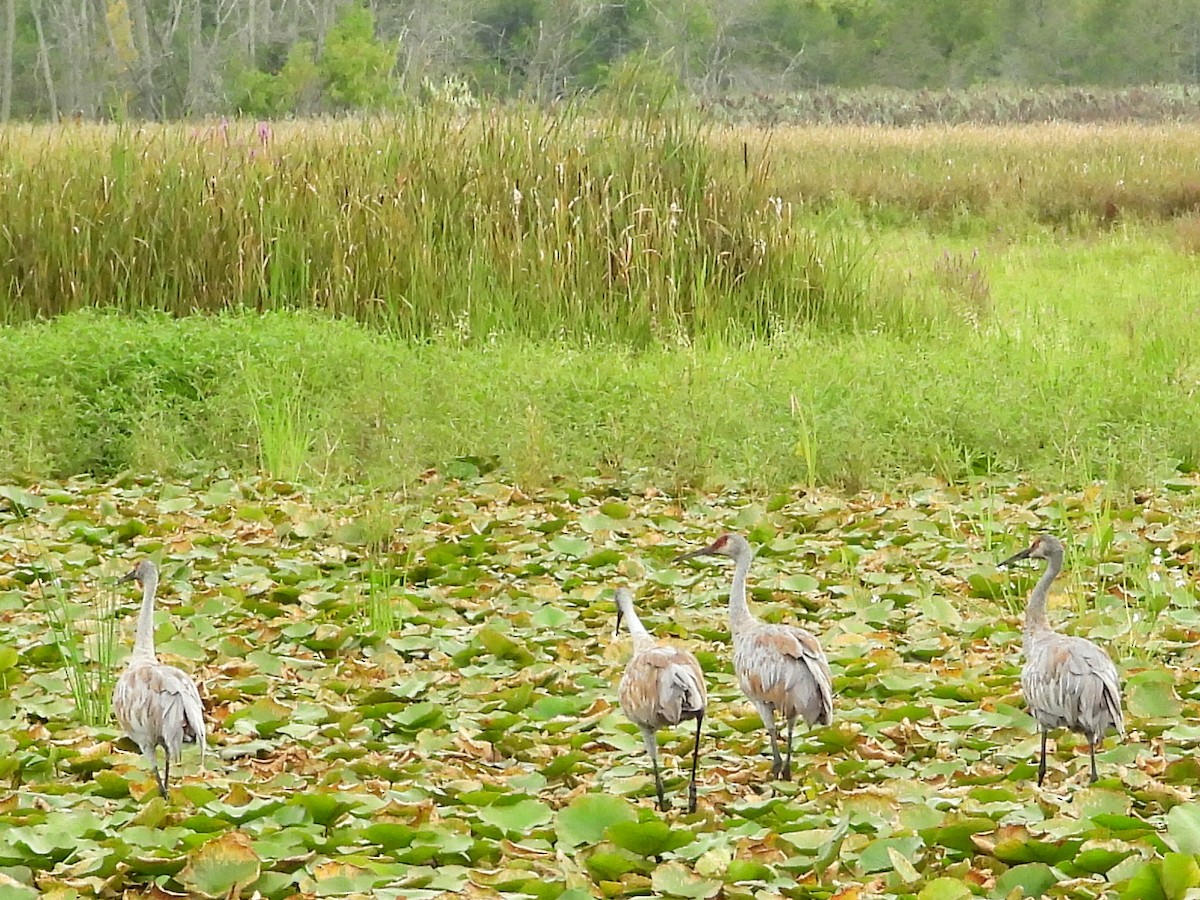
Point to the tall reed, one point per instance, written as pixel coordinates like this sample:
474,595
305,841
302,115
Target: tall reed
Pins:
433,225
87,652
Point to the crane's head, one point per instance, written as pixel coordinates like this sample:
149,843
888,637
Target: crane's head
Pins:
732,545
144,571
624,601
1044,546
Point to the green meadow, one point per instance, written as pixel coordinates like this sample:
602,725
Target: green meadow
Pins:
394,403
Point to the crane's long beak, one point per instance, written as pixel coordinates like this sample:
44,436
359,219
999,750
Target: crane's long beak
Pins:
1024,554
703,551
126,578
620,615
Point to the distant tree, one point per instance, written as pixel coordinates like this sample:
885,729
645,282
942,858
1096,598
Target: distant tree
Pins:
357,67
170,58
295,88
506,32
434,39
788,43
1130,41
606,34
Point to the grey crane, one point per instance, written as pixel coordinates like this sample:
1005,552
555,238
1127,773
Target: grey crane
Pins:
782,669
1068,682
157,705
662,685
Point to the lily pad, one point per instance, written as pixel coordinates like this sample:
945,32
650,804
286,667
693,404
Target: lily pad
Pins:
676,880
586,818
222,865
651,838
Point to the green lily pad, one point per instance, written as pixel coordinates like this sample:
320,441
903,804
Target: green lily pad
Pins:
586,818
1179,874
1151,694
944,889
676,880
652,838
1033,879
390,835
576,548
520,815
612,866
220,866
1183,827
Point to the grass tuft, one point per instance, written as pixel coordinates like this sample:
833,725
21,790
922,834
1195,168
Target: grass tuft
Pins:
87,652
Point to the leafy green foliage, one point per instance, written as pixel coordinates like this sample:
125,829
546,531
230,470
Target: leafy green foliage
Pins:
356,66
477,745
291,90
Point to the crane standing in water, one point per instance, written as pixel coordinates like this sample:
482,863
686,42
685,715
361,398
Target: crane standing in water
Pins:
782,669
662,685
157,705
1068,682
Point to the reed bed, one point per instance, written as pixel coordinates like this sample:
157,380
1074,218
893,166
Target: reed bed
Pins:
1059,175
529,223
633,230
985,104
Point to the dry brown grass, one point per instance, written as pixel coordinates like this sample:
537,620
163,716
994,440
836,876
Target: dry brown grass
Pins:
1052,173
1187,233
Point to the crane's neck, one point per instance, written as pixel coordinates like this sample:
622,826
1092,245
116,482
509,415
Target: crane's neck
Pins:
641,637
1035,612
144,645
739,611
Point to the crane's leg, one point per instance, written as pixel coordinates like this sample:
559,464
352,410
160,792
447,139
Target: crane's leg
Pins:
652,748
767,713
1042,764
695,762
787,765
1095,774
151,755
776,759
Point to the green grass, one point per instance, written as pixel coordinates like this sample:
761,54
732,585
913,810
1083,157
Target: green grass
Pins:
84,635
1080,369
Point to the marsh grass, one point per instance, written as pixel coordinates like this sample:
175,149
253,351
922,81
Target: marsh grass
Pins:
282,419
626,229
994,104
848,307
87,645
1078,178
380,606
336,402
430,225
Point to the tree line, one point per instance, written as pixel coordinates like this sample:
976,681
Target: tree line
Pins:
164,59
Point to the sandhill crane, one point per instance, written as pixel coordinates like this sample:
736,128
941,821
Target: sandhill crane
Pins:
1068,682
157,705
662,685
782,669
